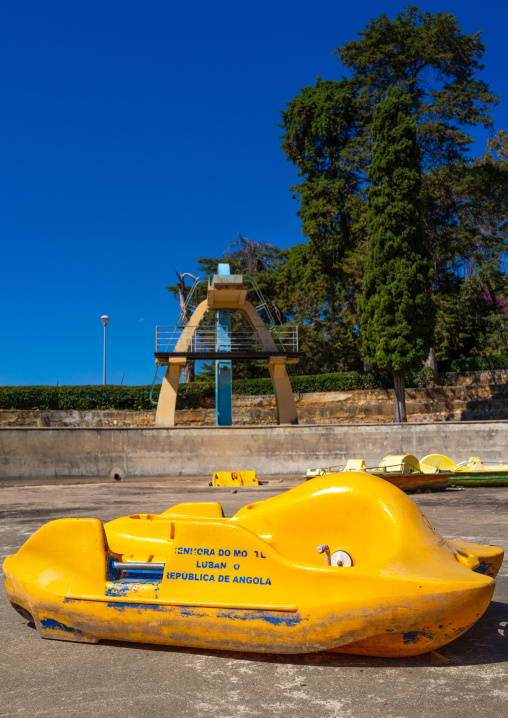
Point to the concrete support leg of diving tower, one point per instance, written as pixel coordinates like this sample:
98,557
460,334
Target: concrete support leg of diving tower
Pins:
284,399
166,406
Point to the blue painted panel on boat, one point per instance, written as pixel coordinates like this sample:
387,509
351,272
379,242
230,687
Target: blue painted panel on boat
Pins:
485,568
142,576
112,573
277,619
282,620
190,611
129,588
52,625
415,636
138,607
22,611
143,579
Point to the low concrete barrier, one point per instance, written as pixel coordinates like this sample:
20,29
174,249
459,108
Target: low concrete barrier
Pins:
35,453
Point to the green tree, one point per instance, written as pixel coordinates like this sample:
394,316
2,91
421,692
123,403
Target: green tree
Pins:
465,215
328,136
463,200
472,316
437,64
397,316
321,132
320,307
316,285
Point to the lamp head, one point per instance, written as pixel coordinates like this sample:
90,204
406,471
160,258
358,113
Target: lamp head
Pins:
105,319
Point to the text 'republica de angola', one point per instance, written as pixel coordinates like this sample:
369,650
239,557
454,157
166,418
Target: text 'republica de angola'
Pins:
220,578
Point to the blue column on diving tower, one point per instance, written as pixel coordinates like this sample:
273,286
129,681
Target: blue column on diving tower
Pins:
223,374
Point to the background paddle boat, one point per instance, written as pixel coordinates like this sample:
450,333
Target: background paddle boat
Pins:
473,472
234,478
402,470
343,563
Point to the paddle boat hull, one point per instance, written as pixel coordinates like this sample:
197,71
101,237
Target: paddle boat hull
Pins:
403,471
413,483
474,472
478,479
344,563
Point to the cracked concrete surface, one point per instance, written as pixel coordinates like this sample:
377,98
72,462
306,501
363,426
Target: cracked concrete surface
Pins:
48,678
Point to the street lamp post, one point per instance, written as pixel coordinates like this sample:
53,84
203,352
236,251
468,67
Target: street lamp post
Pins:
104,320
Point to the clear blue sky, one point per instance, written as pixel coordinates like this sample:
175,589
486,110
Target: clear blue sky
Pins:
138,136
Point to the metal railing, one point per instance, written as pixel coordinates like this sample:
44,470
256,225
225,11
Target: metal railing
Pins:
248,280
204,339
191,300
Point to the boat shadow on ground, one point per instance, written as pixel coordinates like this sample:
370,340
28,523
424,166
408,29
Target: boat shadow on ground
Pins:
485,643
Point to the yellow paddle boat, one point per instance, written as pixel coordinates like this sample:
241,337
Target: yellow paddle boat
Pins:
344,563
473,472
234,478
401,470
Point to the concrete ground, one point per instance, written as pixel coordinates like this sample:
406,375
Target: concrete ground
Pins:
469,677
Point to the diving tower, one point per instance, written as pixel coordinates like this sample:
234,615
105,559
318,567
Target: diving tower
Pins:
199,340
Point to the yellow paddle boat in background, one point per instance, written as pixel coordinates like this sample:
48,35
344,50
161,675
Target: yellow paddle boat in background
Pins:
234,478
473,472
401,470
344,563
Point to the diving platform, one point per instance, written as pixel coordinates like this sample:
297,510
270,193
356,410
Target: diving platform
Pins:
242,345
162,358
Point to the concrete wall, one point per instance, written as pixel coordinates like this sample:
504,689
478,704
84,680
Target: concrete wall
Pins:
28,453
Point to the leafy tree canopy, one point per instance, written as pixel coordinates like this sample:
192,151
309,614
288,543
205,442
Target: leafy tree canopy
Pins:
321,133
428,55
328,136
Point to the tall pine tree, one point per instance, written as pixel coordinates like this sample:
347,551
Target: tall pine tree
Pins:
397,315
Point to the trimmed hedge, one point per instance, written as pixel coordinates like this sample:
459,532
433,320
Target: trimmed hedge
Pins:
190,396
73,397
90,397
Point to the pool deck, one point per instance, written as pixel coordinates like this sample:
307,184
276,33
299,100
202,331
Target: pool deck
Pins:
467,678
